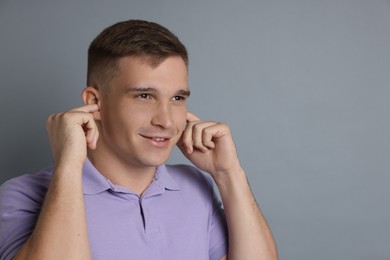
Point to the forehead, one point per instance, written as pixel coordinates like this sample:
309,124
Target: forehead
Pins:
172,70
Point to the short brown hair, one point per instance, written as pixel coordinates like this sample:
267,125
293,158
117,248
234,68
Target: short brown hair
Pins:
150,41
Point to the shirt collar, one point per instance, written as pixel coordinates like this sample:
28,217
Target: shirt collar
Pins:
94,182
165,179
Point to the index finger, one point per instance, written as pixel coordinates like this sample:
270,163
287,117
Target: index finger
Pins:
191,117
86,108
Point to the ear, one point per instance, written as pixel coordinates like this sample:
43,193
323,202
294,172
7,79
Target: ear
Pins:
90,96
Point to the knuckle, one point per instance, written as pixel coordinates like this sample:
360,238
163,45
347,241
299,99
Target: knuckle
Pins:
50,120
223,126
66,116
197,129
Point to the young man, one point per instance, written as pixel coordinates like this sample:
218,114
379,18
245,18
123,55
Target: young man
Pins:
109,194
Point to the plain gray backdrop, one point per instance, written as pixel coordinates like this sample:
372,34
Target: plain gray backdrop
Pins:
304,86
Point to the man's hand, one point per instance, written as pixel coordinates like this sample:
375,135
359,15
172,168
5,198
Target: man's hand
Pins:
61,229
71,133
209,146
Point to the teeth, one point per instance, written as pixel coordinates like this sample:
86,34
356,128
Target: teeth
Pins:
158,139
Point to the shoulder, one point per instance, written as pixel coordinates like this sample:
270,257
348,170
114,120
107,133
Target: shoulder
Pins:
21,200
25,188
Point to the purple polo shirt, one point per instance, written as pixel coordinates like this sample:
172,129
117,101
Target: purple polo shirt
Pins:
177,217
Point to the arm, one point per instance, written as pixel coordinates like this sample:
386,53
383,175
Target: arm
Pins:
249,234
61,229
209,145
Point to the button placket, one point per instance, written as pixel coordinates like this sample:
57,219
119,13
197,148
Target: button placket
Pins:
150,225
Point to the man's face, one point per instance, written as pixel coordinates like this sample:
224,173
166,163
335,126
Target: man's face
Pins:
143,111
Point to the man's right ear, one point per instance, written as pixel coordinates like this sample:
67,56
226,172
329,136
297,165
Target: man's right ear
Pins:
91,96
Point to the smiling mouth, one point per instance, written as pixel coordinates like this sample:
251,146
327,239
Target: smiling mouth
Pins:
157,139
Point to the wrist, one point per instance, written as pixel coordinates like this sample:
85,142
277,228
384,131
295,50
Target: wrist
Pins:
68,168
231,180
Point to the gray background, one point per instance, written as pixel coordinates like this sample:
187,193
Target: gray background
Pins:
303,84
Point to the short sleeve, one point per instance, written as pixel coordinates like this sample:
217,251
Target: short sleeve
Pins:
21,200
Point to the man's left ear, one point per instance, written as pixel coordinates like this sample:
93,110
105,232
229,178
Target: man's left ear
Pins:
90,96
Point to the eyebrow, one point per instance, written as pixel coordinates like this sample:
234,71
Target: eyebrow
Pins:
182,92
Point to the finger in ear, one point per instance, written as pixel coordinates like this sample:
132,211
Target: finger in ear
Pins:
91,95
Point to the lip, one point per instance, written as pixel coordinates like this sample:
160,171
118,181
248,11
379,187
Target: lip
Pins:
157,140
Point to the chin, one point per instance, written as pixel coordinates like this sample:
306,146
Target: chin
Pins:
155,161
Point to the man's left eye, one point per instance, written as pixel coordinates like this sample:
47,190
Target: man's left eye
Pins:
178,98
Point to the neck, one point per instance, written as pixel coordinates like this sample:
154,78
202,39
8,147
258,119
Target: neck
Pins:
122,173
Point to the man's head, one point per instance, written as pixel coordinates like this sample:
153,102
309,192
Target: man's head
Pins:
138,76
149,41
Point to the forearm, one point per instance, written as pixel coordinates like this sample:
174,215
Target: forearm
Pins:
61,230
249,234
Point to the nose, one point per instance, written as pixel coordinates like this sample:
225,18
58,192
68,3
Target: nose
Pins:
163,116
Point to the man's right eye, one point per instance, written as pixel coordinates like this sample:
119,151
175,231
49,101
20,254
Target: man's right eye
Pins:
144,96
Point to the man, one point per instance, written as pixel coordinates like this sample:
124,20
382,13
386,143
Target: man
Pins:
109,194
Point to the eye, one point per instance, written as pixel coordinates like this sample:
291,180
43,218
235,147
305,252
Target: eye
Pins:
144,96
179,98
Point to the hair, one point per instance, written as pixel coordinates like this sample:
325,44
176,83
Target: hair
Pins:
149,41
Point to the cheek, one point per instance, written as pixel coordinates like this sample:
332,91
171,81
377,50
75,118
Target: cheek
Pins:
183,125
114,118
182,120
